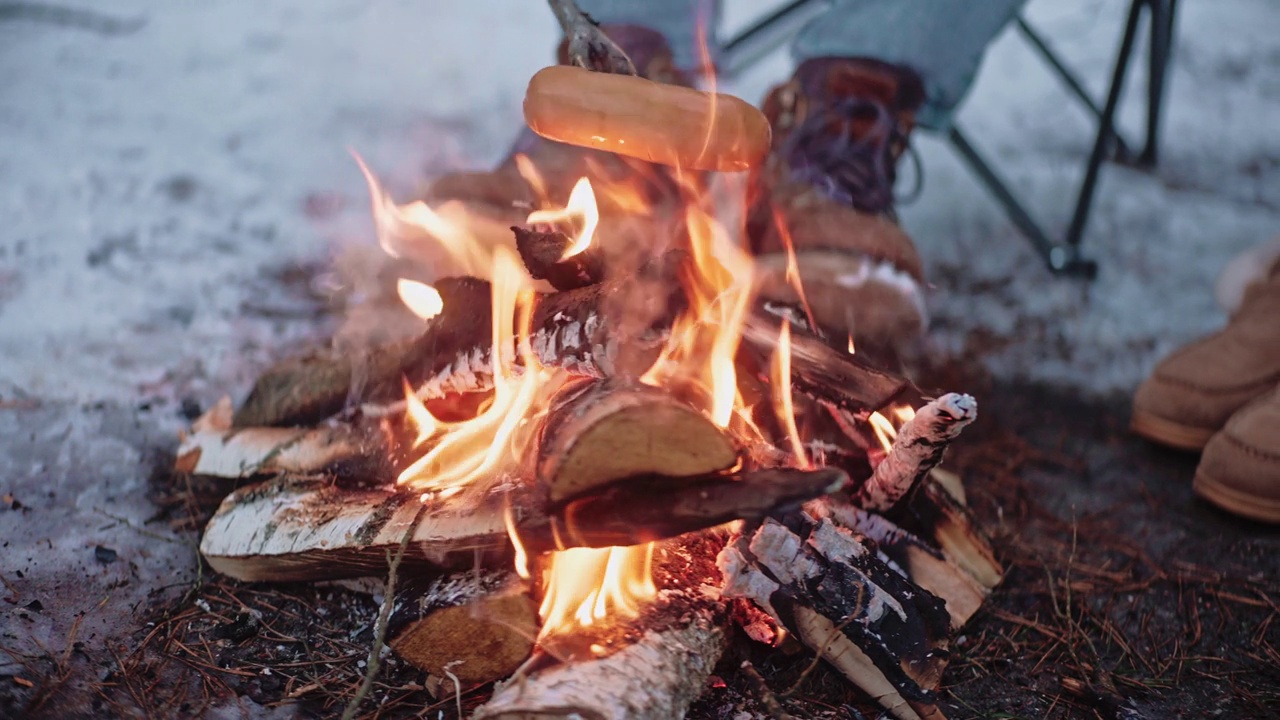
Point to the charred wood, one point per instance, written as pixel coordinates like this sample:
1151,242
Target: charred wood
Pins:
887,636
543,254
923,563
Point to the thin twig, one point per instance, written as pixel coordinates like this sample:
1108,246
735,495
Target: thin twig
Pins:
380,626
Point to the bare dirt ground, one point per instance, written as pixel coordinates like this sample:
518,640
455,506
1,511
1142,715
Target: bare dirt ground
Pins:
174,183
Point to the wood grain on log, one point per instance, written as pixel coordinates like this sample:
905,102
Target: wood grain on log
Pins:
310,529
599,432
477,625
346,451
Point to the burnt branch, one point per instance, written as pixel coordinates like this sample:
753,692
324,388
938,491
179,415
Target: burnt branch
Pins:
543,255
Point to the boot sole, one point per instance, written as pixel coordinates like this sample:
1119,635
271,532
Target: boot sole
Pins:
1254,507
1167,432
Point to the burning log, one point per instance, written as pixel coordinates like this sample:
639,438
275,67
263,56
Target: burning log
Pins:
309,389
543,254
887,636
821,372
344,451
651,508
574,330
656,677
601,432
570,330
309,528
477,626
666,656
924,564
917,449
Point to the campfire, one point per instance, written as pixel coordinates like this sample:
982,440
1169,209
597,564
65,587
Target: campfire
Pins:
599,459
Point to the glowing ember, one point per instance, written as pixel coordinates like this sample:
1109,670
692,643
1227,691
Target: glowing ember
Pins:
422,299
581,212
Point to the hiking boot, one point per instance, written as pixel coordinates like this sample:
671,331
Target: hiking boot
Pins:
839,127
495,200
1240,469
1193,392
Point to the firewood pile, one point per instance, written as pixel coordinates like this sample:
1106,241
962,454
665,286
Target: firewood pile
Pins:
594,469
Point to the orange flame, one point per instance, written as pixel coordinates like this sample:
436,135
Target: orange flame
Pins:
792,274
704,340
886,431
782,401
475,451
581,211
852,350
530,173
586,585
423,421
422,299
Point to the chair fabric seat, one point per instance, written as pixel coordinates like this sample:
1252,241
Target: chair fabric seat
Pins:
942,40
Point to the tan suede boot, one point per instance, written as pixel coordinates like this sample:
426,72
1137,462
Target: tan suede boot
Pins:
1240,469
1193,392
839,127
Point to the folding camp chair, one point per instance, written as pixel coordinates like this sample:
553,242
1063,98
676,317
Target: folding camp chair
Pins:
1063,257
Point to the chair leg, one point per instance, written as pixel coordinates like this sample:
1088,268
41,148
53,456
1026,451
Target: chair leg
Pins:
1106,128
1162,25
1062,260
1040,45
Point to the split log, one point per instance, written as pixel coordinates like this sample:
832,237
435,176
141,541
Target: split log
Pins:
597,433
663,665
916,450
932,512
306,390
656,677
360,452
887,636
291,529
478,626
543,255
922,563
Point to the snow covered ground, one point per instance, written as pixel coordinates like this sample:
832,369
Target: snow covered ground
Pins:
163,181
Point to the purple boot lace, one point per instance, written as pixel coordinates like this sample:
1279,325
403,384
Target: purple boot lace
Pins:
855,171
